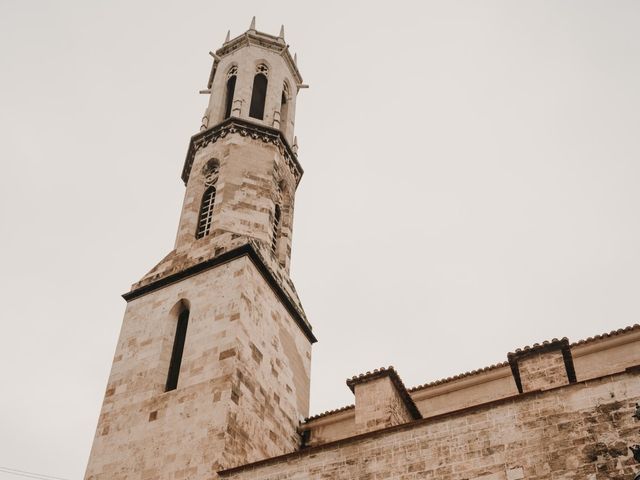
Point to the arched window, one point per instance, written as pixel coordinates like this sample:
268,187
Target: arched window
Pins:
206,212
276,229
231,87
205,217
178,349
259,93
284,107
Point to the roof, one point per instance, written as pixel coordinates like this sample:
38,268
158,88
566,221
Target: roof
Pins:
602,336
613,333
329,412
459,376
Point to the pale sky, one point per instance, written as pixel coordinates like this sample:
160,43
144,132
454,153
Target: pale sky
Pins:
471,186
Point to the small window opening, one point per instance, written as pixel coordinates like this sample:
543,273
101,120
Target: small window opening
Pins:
259,93
276,229
231,87
205,218
284,107
178,349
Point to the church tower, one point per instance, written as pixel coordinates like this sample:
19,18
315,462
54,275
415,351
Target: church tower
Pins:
212,365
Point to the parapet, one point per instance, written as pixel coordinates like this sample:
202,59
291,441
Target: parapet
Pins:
381,400
542,366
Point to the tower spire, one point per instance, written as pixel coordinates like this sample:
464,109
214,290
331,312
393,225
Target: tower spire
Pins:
253,23
228,37
281,34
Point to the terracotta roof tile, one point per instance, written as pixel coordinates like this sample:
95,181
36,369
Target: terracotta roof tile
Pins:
328,412
470,373
459,376
612,333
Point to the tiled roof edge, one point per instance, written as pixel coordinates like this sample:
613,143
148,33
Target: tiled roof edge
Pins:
602,336
459,376
329,412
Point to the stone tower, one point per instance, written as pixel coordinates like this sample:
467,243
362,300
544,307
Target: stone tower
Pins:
211,369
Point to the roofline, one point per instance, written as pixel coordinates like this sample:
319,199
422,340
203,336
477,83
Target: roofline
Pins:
241,251
409,425
445,380
264,40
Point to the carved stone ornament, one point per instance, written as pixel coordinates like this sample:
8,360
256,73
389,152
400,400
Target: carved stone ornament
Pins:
244,129
210,172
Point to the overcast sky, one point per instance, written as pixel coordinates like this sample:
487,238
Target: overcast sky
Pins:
471,185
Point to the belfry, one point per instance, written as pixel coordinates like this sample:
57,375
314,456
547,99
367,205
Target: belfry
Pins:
212,365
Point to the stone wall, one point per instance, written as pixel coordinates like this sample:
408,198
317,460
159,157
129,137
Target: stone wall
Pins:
539,368
577,431
243,385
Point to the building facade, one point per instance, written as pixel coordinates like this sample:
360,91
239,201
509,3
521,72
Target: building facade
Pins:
210,377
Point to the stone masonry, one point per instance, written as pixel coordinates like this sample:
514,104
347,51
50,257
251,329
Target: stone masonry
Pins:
211,373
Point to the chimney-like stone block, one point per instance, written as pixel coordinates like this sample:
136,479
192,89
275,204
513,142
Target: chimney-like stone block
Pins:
381,401
543,366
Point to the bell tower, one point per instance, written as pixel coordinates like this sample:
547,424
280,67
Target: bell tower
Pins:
212,365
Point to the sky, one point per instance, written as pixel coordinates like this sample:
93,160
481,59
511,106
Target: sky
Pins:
471,186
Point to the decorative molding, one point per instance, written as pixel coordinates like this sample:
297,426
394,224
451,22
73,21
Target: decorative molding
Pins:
226,257
264,40
244,128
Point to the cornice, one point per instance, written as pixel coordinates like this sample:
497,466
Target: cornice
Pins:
244,128
243,250
263,40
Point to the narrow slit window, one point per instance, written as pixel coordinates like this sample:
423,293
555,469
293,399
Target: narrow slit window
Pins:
178,349
276,229
259,93
206,212
231,87
284,108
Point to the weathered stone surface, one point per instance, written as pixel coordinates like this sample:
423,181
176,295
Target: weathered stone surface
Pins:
555,411
571,432
243,386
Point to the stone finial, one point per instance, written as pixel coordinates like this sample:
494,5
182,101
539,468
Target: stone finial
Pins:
281,34
228,37
295,58
294,147
253,24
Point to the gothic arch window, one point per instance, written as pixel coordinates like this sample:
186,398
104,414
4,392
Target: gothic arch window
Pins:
178,349
284,107
232,75
275,233
259,92
205,216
